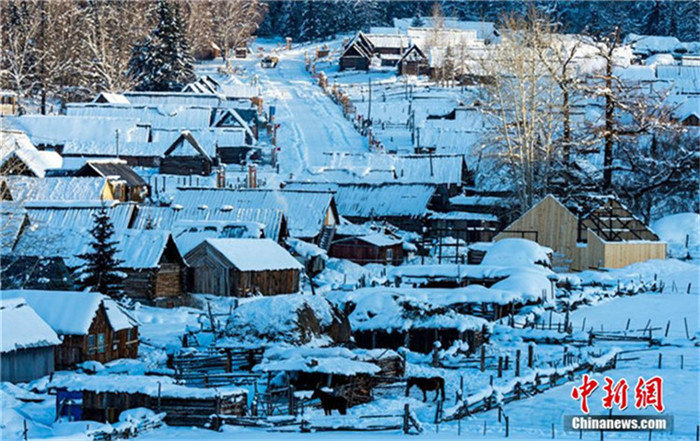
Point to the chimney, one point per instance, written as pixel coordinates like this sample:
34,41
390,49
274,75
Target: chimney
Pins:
221,177
252,176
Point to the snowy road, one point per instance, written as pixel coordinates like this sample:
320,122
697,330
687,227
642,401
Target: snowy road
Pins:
311,123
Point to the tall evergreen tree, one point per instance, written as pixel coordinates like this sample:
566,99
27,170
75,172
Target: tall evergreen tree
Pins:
162,61
101,270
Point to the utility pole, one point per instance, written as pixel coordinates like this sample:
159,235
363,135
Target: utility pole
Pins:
116,137
369,107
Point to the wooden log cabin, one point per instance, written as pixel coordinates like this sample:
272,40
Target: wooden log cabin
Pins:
243,267
104,397
156,271
27,343
186,156
92,326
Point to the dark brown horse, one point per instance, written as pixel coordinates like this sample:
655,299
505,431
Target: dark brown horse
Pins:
330,402
425,384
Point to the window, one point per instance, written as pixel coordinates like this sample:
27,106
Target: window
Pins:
128,335
389,254
101,343
91,343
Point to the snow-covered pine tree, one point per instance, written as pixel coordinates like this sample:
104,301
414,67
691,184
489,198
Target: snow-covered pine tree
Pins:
162,62
101,271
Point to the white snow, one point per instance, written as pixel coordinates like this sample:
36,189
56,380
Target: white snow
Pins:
681,232
22,327
255,254
71,312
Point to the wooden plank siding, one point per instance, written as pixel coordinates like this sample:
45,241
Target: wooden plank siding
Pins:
603,254
78,348
362,253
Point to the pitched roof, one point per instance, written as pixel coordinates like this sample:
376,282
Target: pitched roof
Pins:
72,312
24,189
186,145
305,211
255,254
22,327
16,144
175,218
112,168
384,200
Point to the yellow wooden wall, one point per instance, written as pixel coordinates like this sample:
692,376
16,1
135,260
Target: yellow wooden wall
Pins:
601,254
556,226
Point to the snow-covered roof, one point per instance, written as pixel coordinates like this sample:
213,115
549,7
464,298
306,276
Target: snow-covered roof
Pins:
114,169
409,169
16,144
288,317
149,385
652,44
382,200
22,327
113,98
72,312
389,310
186,99
138,249
78,215
484,29
305,211
458,272
61,129
181,117
173,218
69,188
337,361
463,215
380,239
255,254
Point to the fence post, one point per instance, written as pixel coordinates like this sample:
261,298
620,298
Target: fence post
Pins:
687,334
659,360
507,425
530,355
668,325
484,427
406,412
681,361
500,366
505,367
482,366
517,363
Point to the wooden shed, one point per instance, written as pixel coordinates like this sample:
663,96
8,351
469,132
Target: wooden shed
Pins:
27,342
608,237
126,184
243,267
414,62
104,397
186,156
376,247
156,271
93,326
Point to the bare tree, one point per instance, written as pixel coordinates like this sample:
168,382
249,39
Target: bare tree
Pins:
522,103
234,22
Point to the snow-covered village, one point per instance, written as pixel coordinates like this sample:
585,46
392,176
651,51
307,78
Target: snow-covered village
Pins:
349,219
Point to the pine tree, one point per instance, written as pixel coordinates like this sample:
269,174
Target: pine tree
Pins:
101,270
162,61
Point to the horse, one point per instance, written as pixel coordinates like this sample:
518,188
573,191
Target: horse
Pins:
425,384
330,402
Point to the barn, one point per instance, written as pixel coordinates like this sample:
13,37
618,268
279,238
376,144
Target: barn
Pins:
93,326
391,319
18,156
104,397
186,156
28,342
127,185
243,267
608,237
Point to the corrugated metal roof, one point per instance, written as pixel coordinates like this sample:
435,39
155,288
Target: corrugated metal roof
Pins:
305,211
381,200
